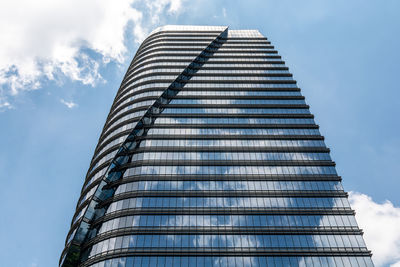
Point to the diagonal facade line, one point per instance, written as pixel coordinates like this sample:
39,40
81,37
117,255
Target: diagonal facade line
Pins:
72,254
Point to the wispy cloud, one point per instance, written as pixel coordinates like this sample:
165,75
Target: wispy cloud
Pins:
224,12
49,40
4,105
381,225
69,104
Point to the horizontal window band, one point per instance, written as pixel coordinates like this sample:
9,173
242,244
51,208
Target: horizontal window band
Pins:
163,46
203,40
139,58
198,116
231,148
105,130
101,166
196,163
134,178
153,65
220,45
143,66
216,231
122,94
228,252
234,116
232,230
153,98
129,80
108,122
230,137
222,97
282,83
205,89
234,106
162,67
229,260
229,177
229,162
210,64
182,33
224,49
239,126
222,210
239,89
226,57
195,39
195,52
226,194
159,89
168,36
229,193
203,137
162,40
166,43
187,45
253,97
220,137
229,56
238,74
232,222
205,115
176,33
115,136
145,203
101,143
226,211
251,251
185,36
162,49
113,120
137,100
120,97
235,177
241,149
224,149
117,254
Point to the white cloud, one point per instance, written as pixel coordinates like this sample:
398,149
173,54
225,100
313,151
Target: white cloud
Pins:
69,104
381,225
156,8
48,40
4,105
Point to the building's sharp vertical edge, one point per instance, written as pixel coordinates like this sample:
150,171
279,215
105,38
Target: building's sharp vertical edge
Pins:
72,254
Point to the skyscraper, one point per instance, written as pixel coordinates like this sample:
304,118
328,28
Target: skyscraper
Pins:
210,157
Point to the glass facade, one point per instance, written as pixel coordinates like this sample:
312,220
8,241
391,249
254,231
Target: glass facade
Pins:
210,157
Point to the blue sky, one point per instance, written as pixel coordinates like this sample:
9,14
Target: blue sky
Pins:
61,65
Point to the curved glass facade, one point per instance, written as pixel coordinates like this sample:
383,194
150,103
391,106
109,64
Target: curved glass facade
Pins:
210,157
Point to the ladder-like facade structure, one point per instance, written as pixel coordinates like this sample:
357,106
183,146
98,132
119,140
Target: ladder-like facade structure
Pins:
211,157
